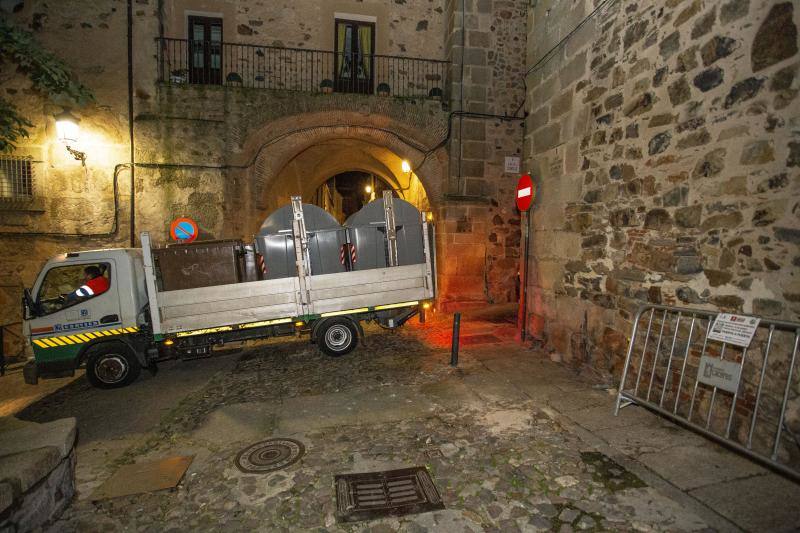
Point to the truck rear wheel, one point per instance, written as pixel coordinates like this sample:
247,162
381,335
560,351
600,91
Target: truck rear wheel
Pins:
337,337
111,365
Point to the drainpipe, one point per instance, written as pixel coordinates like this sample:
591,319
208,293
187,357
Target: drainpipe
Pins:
130,125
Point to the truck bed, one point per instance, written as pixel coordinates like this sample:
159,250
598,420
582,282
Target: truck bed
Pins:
256,301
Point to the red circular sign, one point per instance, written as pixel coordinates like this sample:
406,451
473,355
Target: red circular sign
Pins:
526,192
183,229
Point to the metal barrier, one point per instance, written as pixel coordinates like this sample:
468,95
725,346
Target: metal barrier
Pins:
746,410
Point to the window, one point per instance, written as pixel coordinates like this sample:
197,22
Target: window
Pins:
64,286
355,49
205,50
16,178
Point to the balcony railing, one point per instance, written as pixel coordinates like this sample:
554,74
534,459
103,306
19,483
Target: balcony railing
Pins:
182,61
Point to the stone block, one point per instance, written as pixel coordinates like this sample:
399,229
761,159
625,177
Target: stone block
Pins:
474,150
59,434
776,39
23,470
547,138
561,104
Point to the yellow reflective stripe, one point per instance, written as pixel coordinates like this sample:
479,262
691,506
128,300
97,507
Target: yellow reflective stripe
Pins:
76,339
56,340
203,331
114,331
49,343
265,323
81,337
66,340
90,335
130,330
348,312
40,344
393,306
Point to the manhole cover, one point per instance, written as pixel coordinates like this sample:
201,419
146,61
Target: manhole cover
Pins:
391,493
269,455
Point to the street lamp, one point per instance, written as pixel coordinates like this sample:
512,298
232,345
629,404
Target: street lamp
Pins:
68,131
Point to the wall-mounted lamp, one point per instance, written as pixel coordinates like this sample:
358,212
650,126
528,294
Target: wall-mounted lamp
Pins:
405,166
368,189
68,131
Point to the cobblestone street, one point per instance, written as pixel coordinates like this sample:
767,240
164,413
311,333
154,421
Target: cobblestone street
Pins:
493,433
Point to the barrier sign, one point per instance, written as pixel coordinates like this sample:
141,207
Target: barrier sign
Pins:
719,373
734,329
183,229
525,193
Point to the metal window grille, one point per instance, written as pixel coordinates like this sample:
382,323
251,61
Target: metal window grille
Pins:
17,180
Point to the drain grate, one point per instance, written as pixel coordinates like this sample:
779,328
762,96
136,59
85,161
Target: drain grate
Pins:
269,455
390,493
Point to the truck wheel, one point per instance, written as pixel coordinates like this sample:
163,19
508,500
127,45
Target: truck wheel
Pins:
338,337
111,365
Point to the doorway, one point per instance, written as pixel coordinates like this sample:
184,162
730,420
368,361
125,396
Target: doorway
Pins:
355,56
205,50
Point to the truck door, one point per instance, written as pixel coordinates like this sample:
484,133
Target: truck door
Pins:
65,321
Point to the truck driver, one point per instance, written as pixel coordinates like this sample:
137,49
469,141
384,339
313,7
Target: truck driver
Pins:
95,284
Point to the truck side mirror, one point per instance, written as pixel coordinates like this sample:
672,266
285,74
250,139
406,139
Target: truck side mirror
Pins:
29,307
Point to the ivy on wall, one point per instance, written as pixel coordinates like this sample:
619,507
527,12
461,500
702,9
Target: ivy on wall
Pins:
49,75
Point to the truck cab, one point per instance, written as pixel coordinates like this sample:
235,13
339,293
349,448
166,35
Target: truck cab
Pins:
102,331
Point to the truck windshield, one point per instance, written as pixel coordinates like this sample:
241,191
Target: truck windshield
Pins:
67,285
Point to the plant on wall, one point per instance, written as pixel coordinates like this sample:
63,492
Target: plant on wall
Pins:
49,75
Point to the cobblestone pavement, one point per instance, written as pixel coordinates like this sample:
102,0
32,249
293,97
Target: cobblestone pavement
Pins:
500,456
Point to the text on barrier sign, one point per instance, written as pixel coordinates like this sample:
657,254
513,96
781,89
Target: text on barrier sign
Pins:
734,329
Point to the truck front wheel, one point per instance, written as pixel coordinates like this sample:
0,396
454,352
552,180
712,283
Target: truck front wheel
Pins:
111,365
337,337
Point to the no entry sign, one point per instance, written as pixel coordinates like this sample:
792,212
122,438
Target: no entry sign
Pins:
525,193
183,229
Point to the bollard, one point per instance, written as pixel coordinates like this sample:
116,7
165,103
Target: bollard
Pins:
421,315
454,343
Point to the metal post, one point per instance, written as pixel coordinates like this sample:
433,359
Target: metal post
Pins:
454,348
523,282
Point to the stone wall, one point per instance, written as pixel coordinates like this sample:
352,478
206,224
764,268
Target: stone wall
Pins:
408,28
480,248
664,135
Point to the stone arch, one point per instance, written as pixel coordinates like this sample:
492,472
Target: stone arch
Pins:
278,151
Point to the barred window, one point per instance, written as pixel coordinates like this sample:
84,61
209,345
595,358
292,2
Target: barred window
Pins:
16,178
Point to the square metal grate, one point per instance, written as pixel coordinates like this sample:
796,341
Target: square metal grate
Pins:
391,493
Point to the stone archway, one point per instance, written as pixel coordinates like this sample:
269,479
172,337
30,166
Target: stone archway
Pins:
295,155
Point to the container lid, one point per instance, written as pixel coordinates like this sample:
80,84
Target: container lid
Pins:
372,214
280,222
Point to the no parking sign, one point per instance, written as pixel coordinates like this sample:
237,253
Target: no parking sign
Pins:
183,229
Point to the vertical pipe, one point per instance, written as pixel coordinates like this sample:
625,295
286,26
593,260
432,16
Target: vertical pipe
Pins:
454,342
760,384
524,288
130,127
683,367
785,397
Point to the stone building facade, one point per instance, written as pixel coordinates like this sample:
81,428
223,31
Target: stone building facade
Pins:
229,151
665,136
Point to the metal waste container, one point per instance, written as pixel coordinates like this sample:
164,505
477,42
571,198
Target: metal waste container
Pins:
275,242
367,230
199,264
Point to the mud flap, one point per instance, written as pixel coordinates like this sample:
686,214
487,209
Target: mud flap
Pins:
30,373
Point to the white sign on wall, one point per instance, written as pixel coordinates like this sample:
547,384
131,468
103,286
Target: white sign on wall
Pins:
734,329
512,165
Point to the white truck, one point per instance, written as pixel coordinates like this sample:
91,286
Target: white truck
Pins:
136,322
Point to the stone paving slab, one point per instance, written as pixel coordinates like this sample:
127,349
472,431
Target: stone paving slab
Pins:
690,467
768,503
602,417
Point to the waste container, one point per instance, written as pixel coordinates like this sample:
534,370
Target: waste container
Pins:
367,231
199,264
275,242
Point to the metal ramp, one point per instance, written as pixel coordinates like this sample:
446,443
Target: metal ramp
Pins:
735,395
